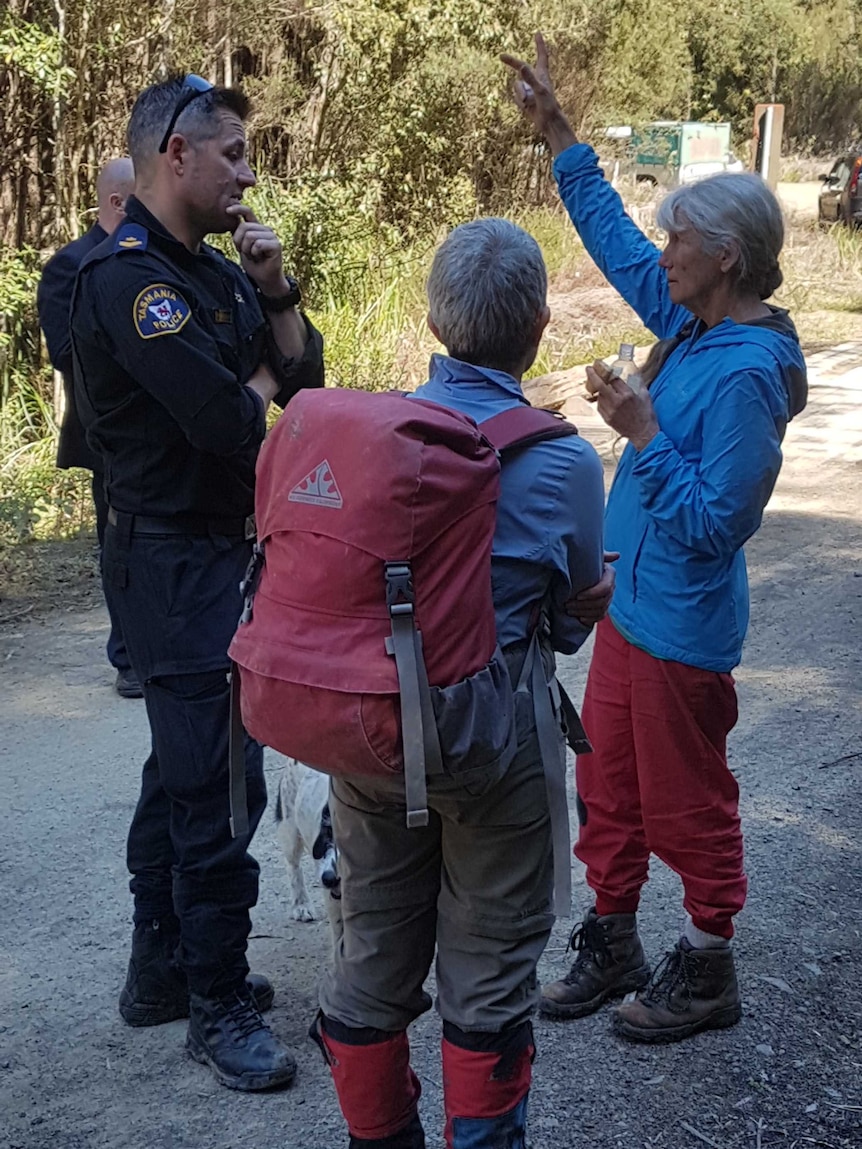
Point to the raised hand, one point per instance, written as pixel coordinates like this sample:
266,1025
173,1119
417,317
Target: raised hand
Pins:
534,95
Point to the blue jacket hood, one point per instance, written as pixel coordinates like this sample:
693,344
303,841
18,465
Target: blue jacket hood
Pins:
775,333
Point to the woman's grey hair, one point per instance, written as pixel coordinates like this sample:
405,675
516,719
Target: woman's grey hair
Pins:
487,288
732,210
198,121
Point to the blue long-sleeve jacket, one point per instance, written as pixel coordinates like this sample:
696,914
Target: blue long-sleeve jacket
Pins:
681,509
548,537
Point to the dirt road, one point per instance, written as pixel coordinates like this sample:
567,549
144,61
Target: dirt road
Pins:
73,1077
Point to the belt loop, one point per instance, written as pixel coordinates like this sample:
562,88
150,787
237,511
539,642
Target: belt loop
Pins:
122,524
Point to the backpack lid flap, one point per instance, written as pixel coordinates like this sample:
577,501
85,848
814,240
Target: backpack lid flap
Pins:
377,471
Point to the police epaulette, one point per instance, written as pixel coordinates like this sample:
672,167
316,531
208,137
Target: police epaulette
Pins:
130,237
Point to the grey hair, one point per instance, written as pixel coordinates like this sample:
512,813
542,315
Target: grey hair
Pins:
199,121
732,209
487,288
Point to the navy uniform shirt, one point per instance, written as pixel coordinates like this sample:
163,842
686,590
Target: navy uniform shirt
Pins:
53,297
164,340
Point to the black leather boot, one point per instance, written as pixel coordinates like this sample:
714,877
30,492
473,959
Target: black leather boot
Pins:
156,989
610,963
229,1035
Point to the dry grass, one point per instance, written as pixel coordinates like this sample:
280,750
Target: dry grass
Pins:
823,283
822,290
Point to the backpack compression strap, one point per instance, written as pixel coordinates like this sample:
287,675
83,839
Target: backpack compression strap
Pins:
418,725
510,431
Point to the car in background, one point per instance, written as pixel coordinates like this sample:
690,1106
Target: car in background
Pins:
840,199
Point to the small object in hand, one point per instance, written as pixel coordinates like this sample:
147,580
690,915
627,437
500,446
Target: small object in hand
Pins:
625,368
603,372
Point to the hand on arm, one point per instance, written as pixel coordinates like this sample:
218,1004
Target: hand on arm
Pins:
534,95
591,605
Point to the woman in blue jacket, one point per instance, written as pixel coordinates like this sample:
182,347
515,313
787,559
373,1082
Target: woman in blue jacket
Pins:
703,455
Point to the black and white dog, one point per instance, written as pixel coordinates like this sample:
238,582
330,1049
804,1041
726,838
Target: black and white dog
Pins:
303,825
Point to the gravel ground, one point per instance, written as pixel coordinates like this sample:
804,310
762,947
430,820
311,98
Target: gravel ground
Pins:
790,1074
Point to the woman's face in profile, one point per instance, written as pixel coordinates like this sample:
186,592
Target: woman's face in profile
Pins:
692,275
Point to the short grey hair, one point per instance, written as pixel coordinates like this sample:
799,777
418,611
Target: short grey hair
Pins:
732,209
199,121
487,288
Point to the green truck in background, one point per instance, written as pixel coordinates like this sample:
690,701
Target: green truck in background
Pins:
672,152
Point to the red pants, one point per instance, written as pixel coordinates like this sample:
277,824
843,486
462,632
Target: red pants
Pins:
658,781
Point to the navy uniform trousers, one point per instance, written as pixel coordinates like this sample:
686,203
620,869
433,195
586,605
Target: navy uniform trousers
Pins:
177,599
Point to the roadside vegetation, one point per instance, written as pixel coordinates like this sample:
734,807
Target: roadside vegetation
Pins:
377,125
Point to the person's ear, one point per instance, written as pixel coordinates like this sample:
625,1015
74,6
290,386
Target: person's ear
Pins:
435,330
728,258
541,323
178,148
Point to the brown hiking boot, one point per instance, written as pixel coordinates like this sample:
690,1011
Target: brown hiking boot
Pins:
691,990
610,963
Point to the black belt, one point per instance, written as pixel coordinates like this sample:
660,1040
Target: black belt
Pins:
242,528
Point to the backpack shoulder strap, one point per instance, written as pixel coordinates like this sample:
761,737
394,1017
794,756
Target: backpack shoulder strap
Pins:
523,426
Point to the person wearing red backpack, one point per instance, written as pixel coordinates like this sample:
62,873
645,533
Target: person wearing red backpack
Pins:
477,880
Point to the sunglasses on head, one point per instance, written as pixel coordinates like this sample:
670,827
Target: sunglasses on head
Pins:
193,86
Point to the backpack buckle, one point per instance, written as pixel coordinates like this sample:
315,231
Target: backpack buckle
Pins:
399,588
248,586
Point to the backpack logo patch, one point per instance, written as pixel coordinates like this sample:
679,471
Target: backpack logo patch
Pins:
318,487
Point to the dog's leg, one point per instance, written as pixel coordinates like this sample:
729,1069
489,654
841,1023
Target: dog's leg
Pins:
291,844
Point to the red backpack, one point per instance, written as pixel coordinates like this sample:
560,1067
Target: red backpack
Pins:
368,641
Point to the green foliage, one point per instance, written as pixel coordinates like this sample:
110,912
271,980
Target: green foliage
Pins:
377,126
19,335
35,52
39,502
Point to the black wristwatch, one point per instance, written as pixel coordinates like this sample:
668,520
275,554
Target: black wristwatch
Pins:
277,303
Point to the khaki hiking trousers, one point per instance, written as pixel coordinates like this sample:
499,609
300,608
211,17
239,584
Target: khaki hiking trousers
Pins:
476,883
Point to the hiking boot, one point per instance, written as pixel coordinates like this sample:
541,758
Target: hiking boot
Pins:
610,963
156,989
229,1035
691,990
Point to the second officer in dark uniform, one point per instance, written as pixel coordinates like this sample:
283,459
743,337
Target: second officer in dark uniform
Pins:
178,352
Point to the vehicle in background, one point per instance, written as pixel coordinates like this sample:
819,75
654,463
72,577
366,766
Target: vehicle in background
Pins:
672,152
840,199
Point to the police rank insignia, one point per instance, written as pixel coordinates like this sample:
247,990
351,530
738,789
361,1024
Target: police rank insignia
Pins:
160,310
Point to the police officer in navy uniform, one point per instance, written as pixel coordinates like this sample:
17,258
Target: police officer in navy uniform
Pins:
178,353
113,186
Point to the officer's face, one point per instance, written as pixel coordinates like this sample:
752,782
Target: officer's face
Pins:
219,174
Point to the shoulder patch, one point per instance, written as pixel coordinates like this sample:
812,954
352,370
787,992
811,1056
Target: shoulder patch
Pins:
131,237
160,310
